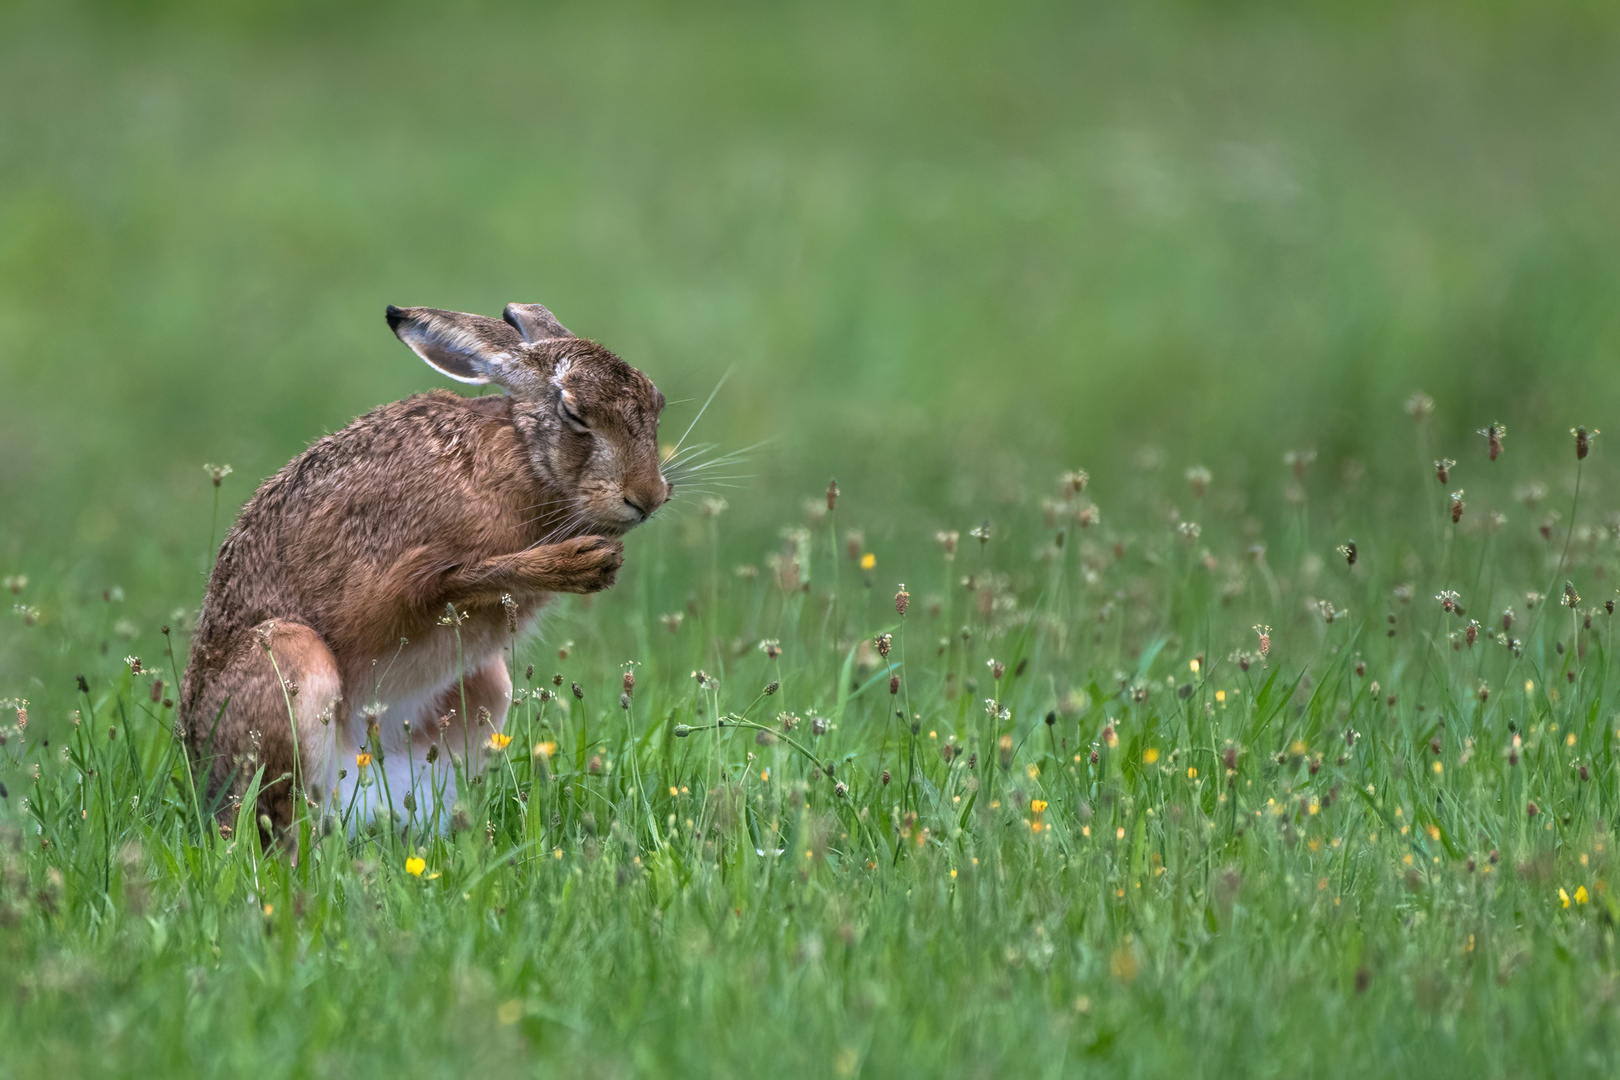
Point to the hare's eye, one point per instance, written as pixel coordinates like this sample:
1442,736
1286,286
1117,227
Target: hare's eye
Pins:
572,418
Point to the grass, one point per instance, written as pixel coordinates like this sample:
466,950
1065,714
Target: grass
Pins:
948,259
1157,842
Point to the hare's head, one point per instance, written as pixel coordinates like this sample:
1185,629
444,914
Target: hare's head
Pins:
591,417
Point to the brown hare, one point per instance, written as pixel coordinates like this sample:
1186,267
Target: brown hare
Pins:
327,630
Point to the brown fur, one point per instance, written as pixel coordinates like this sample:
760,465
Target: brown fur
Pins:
329,597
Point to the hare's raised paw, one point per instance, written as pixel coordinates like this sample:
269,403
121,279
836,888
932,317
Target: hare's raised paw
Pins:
585,564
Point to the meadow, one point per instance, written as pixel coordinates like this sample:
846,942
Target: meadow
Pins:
1198,663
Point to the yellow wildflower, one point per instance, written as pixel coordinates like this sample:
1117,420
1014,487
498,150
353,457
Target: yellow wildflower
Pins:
1581,896
362,759
1220,697
1564,897
549,749
1038,805
414,866
868,561
1192,773
1150,755
499,740
1192,665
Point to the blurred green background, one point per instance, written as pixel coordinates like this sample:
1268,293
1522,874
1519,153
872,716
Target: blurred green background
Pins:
946,249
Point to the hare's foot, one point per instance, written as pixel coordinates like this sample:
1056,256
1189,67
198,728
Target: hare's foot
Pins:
584,564
276,705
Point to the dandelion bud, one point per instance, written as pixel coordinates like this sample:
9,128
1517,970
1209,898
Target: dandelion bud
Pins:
624,702
832,494
1110,737
902,601
112,732
1586,774
1531,809
432,753
1094,756
894,684
682,730
885,778
1583,442
409,802
579,695
1442,470
1494,434
948,752
1051,717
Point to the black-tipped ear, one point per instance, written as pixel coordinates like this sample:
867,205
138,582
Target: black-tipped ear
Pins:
534,322
468,348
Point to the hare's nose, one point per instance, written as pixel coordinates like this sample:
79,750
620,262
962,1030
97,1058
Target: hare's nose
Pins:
640,510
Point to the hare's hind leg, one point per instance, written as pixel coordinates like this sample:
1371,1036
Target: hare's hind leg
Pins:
276,704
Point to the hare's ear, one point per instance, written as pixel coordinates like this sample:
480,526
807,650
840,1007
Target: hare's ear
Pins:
469,348
535,323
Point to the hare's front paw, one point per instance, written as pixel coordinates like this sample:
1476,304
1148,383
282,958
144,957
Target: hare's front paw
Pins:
587,564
